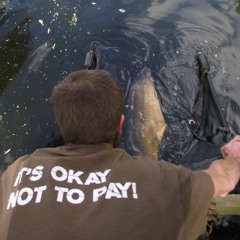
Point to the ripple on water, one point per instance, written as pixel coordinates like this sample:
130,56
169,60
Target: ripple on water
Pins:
163,35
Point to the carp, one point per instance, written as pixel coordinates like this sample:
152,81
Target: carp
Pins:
145,124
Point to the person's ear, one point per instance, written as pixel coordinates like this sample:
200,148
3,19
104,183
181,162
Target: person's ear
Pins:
120,125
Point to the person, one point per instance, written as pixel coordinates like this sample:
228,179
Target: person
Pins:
90,189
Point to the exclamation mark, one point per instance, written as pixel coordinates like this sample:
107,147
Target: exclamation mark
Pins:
134,188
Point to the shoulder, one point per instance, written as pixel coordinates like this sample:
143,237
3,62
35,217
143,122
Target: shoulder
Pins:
177,174
18,163
23,161
10,173
162,168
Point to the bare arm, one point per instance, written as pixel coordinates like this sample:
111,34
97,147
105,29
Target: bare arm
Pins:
225,173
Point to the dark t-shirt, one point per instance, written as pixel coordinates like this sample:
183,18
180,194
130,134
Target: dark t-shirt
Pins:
100,192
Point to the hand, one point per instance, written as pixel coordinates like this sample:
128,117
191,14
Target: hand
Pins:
232,149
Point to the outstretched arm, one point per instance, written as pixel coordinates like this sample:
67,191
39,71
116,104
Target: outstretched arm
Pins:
225,173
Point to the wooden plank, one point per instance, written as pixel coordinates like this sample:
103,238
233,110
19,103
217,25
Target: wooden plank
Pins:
229,205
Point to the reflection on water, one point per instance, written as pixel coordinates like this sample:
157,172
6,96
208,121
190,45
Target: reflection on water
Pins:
15,47
238,7
42,41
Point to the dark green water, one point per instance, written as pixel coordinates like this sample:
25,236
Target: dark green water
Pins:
42,41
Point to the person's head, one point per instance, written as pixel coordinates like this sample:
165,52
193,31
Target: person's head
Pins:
88,107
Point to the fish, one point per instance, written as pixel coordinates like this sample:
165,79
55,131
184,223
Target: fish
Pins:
39,55
145,124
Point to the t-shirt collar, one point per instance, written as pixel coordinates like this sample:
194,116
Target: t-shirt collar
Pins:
85,149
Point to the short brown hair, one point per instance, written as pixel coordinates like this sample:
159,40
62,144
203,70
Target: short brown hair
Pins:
88,105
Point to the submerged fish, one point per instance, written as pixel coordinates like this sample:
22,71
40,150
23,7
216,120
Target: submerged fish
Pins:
145,124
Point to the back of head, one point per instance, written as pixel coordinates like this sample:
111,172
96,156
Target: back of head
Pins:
88,105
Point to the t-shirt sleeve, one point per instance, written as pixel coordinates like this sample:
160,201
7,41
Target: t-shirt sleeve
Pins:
196,191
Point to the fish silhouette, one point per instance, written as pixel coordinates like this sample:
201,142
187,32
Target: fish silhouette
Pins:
145,124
